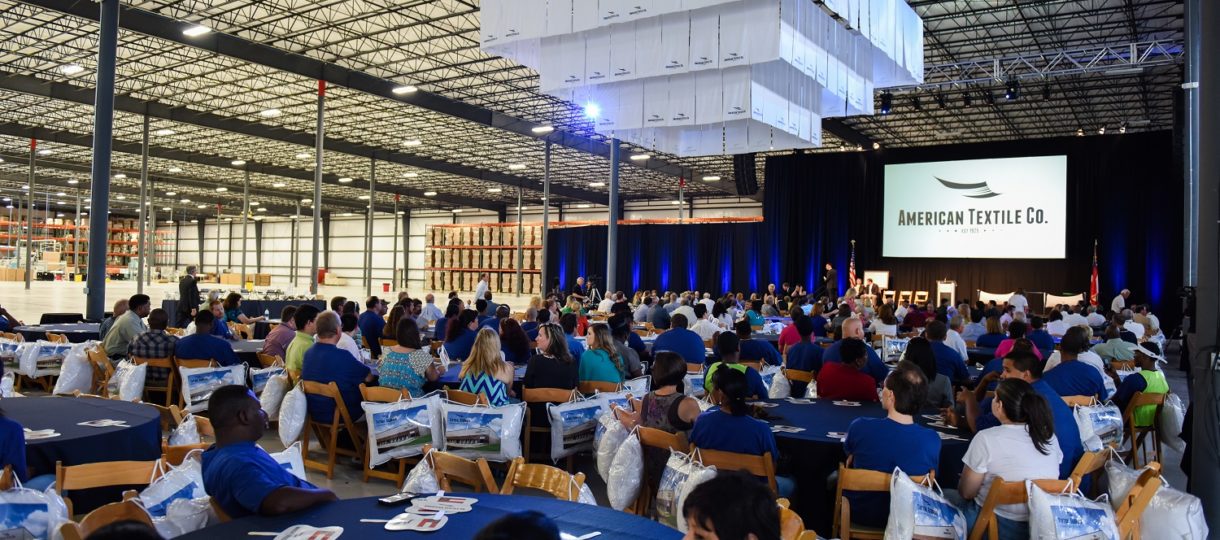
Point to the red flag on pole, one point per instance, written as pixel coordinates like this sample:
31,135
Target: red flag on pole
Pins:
1094,289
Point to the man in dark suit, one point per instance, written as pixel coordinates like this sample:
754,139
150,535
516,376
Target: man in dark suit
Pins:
831,284
188,298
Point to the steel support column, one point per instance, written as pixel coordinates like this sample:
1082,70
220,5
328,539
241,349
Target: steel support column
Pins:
545,284
368,230
295,250
317,188
520,245
143,239
103,131
29,218
612,223
406,245
245,224
394,249
75,236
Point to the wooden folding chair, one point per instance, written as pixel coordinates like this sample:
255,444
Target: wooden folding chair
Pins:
465,398
1090,464
6,478
175,455
904,296
103,474
593,387
1002,492
449,468
105,515
553,480
268,360
179,332
756,364
328,432
541,396
12,336
166,363
1138,434
798,375
241,330
1079,401
387,342
381,394
655,438
732,461
57,338
1136,501
190,363
694,368
858,480
921,297
103,370
791,526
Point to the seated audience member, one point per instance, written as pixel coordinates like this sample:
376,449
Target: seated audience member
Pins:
325,363
460,335
120,308
1115,348
1131,325
1025,366
348,326
641,313
221,327
553,365
728,353
885,324
1042,339
491,307
407,365
853,328
1016,330
1008,315
485,373
452,311
277,340
1073,317
844,379
12,447
820,323
372,324
841,315
500,314
666,408
703,324
233,313
480,307
939,388
900,312
1149,380
805,355
620,330
754,314
975,327
203,345
1124,331
530,326
568,322
994,335
1095,319
659,316
948,362
602,362
1055,325
684,308
895,441
730,428
337,303
155,343
756,349
127,327
916,317
682,341
769,308
241,478
294,357
731,506
524,525
514,342
953,338
1022,447
1071,375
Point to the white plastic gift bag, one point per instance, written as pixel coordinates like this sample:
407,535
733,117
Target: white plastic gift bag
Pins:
38,513
184,516
677,469
399,429
260,377
626,473
1170,513
1100,425
6,385
43,358
778,386
422,478
921,510
187,432
273,395
199,383
128,381
1067,516
638,386
291,460
493,433
10,354
612,436
292,415
573,425
182,482
76,373
697,473
1173,414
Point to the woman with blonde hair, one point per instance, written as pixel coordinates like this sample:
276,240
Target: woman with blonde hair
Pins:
485,371
536,302
601,360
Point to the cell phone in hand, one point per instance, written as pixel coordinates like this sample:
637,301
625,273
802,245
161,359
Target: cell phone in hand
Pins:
396,499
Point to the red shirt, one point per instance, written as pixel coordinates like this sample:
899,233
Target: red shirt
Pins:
788,337
915,319
837,381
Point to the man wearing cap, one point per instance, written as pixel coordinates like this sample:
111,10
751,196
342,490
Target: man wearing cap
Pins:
1149,380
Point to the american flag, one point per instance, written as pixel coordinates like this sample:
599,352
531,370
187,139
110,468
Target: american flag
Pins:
1094,289
851,266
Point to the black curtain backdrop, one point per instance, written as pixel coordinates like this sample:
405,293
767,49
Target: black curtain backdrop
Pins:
1123,190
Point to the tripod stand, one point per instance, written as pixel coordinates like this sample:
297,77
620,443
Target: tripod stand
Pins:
595,295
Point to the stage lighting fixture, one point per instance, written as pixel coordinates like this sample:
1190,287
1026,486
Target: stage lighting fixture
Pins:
1046,93
1080,132
1101,130
989,96
916,103
940,100
887,102
1012,90
876,146
593,110
1122,128
967,100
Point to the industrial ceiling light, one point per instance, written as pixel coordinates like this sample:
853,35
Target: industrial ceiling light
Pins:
457,210
238,162
185,201
1101,130
1012,90
404,89
345,180
254,203
196,30
516,167
363,197
175,169
269,113
429,193
121,197
876,146
120,176
164,132
410,175
494,190
711,178
1122,128
45,152
170,193
278,184
584,206
1080,132
61,194
221,189
640,157
201,206
71,69
413,142
304,155
675,202
887,103
542,130
597,184
73,181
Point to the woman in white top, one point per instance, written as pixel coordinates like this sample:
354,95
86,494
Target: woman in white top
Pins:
1023,447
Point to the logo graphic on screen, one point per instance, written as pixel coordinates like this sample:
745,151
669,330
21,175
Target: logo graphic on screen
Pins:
974,191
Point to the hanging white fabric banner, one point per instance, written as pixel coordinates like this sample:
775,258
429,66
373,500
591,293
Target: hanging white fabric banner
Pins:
882,16
735,34
912,36
656,102
704,39
585,15
787,33
630,105
736,94
681,106
531,22
491,25
606,97
709,97
610,11
759,139
690,140
572,49
648,63
597,56
736,137
764,29
675,43
839,7
622,51
711,141
558,17
551,72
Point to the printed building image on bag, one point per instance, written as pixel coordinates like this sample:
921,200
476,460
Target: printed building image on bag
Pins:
259,377
478,432
203,384
10,354
579,425
31,517
403,427
933,518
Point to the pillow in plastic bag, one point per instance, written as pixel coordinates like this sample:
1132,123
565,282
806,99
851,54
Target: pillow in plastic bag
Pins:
184,516
6,385
1067,516
1170,513
1100,425
128,381
779,386
493,433
38,512
692,385
290,459
921,511
259,377
76,373
1173,415
677,469
43,358
811,389
612,437
573,425
621,399
638,386
273,395
399,429
187,432
199,383
421,479
10,354
698,474
292,415
626,473
182,482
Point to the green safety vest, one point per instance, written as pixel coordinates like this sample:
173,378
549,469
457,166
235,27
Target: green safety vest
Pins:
707,377
1145,415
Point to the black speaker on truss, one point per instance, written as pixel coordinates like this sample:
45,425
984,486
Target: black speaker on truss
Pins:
745,174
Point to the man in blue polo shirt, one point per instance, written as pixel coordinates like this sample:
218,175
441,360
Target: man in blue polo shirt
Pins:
1072,376
203,344
756,349
948,361
372,324
567,322
1040,337
325,363
1025,366
853,328
239,475
682,341
805,355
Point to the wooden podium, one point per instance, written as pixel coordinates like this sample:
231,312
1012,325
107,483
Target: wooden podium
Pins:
946,289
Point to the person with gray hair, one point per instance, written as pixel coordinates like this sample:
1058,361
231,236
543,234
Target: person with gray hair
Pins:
325,363
1094,318
1120,302
1129,324
954,337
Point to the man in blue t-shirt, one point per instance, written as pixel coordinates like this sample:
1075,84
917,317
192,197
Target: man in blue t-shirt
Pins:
1025,366
372,324
1040,337
567,321
1073,377
203,344
881,444
239,475
805,355
728,354
325,362
756,349
682,341
853,328
948,362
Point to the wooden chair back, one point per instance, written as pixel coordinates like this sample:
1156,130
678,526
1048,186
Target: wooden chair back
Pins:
387,342
102,369
664,440
195,363
12,336
799,375
381,394
593,387
397,472
57,338
1089,464
1136,501
694,368
268,360
105,515
1001,493
791,526
859,480
179,332
756,364
328,432
465,398
241,330
6,478
541,395
175,455
557,482
1079,401
732,461
449,468
103,474
1138,434
166,363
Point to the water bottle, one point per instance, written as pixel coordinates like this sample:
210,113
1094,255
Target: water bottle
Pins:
266,314
811,391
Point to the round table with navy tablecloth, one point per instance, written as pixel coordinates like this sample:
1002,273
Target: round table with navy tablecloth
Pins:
572,518
813,455
254,308
247,350
76,332
140,440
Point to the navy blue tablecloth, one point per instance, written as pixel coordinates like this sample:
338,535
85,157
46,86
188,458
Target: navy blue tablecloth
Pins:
78,445
573,518
60,318
76,333
980,355
254,308
813,455
247,350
